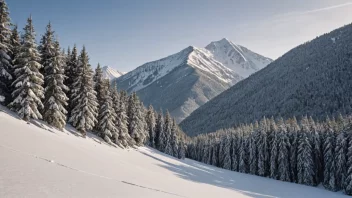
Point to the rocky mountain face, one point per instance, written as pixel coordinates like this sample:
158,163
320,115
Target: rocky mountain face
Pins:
182,82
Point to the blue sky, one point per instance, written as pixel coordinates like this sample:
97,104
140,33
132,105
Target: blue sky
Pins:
127,33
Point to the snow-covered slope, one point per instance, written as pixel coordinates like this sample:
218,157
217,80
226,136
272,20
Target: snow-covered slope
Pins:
238,58
39,161
197,58
111,73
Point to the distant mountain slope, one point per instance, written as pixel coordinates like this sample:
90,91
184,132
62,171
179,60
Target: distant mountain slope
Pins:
314,79
237,58
110,73
181,82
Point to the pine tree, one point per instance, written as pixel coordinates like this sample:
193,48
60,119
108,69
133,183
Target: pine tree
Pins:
55,96
121,120
317,153
83,115
6,75
167,132
293,133
348,180
253,163
305,164
215,153
159,133
329,162
15,44
99,83
28,90
151,125
262,148
226,151
274,149
283,155
174,140
243,162
135,115
107,115
235,149
181,150
341,149
72,75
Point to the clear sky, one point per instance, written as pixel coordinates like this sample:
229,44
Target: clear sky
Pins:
127,33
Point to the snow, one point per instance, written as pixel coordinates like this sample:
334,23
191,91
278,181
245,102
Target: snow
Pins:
40,161
199,58
236,57
110,73
223,59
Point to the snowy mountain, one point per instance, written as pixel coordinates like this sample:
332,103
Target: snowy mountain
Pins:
39,161
110,73
312,79
238,58
182,82
196,58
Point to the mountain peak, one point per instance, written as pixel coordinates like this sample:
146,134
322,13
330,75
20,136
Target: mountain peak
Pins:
238,58
110,73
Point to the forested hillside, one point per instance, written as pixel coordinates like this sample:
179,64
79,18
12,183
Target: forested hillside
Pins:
312,79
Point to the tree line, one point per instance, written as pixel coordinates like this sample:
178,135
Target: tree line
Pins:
305,152
45,82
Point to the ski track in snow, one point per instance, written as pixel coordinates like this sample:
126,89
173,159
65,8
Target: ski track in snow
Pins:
88,173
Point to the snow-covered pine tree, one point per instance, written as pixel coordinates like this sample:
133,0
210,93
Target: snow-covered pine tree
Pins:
242,166
305,164
15,43
174,139
253,163
151,124
348,180
273,149
67,62
205,151
119,106
6,76
181,150
124,97
136,123
293,129
234,149
261,141
317,153
221,149
167,132
55,97
99,84
28,89
226,151
209,150
341,150
84,114
106,117
329,153
159,132
72,75
283,152
215,152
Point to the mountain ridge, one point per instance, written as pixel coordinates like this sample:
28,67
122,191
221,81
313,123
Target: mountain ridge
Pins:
311,79
193,70
111,73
